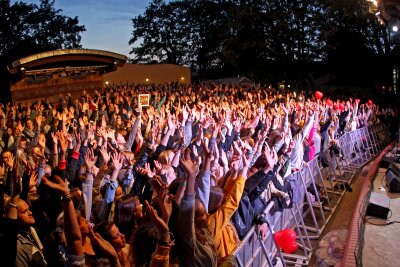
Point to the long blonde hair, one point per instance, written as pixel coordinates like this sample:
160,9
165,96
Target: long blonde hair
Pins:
165,157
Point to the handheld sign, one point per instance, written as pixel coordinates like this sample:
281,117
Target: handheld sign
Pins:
144,100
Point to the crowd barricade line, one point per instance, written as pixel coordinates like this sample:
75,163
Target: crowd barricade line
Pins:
367,143
312,209
307,218
360,150
374,134
373,150
315,172
345,161
328,173
357,154
253,251
333,176
346,145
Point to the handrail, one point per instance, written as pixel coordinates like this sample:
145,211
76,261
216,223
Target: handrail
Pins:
370,139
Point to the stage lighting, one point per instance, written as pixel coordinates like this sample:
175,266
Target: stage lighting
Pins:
394,25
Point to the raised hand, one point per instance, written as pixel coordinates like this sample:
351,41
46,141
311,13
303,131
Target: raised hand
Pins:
188,165
224,158
236,149
78,141
263,231
285,109
270,156
85,106
104,246
33,179
102,132
111,134
246,160
9,161
158,166
64,116
59,116
235,164
158,223
70,139
158,185
81,123
90,159
194,150
39,120
117,160
207,122
146,170
228,124
238,125
63,142
185,113
105,155
208,153
216,128
171,123
59,185
90,134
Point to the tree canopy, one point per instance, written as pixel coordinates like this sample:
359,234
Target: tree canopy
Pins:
26,29
245,35
29,28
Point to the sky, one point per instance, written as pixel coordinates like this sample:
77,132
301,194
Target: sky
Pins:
108,22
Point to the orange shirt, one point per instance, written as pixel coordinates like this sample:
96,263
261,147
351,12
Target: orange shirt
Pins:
224,233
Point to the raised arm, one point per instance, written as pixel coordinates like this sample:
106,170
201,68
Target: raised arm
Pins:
221,217
71,227
135,128
186,210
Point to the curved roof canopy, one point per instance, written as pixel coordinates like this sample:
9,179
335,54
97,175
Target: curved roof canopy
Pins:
68,58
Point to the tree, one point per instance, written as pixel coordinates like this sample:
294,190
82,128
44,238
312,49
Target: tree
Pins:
163,33
253,37
27,29
350,27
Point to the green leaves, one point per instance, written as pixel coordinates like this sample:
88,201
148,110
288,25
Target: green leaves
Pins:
29,28
161,33
219,37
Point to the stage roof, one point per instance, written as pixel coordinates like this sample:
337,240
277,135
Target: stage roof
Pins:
68,58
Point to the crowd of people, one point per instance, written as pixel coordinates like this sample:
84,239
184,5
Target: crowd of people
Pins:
100,180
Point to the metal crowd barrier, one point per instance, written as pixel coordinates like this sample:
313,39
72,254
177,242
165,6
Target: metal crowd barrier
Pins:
308,217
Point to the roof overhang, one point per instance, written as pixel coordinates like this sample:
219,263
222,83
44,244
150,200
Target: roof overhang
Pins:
58,58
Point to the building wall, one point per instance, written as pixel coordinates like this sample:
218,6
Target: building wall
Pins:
154,73
29,89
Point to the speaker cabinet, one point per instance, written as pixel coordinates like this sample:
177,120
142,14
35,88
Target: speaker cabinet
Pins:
392,181
378,206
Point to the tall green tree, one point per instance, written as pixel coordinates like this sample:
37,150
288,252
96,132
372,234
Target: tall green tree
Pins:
351,28
221,37
29,28
162,34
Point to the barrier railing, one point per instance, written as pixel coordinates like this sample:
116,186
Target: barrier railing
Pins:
326,176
